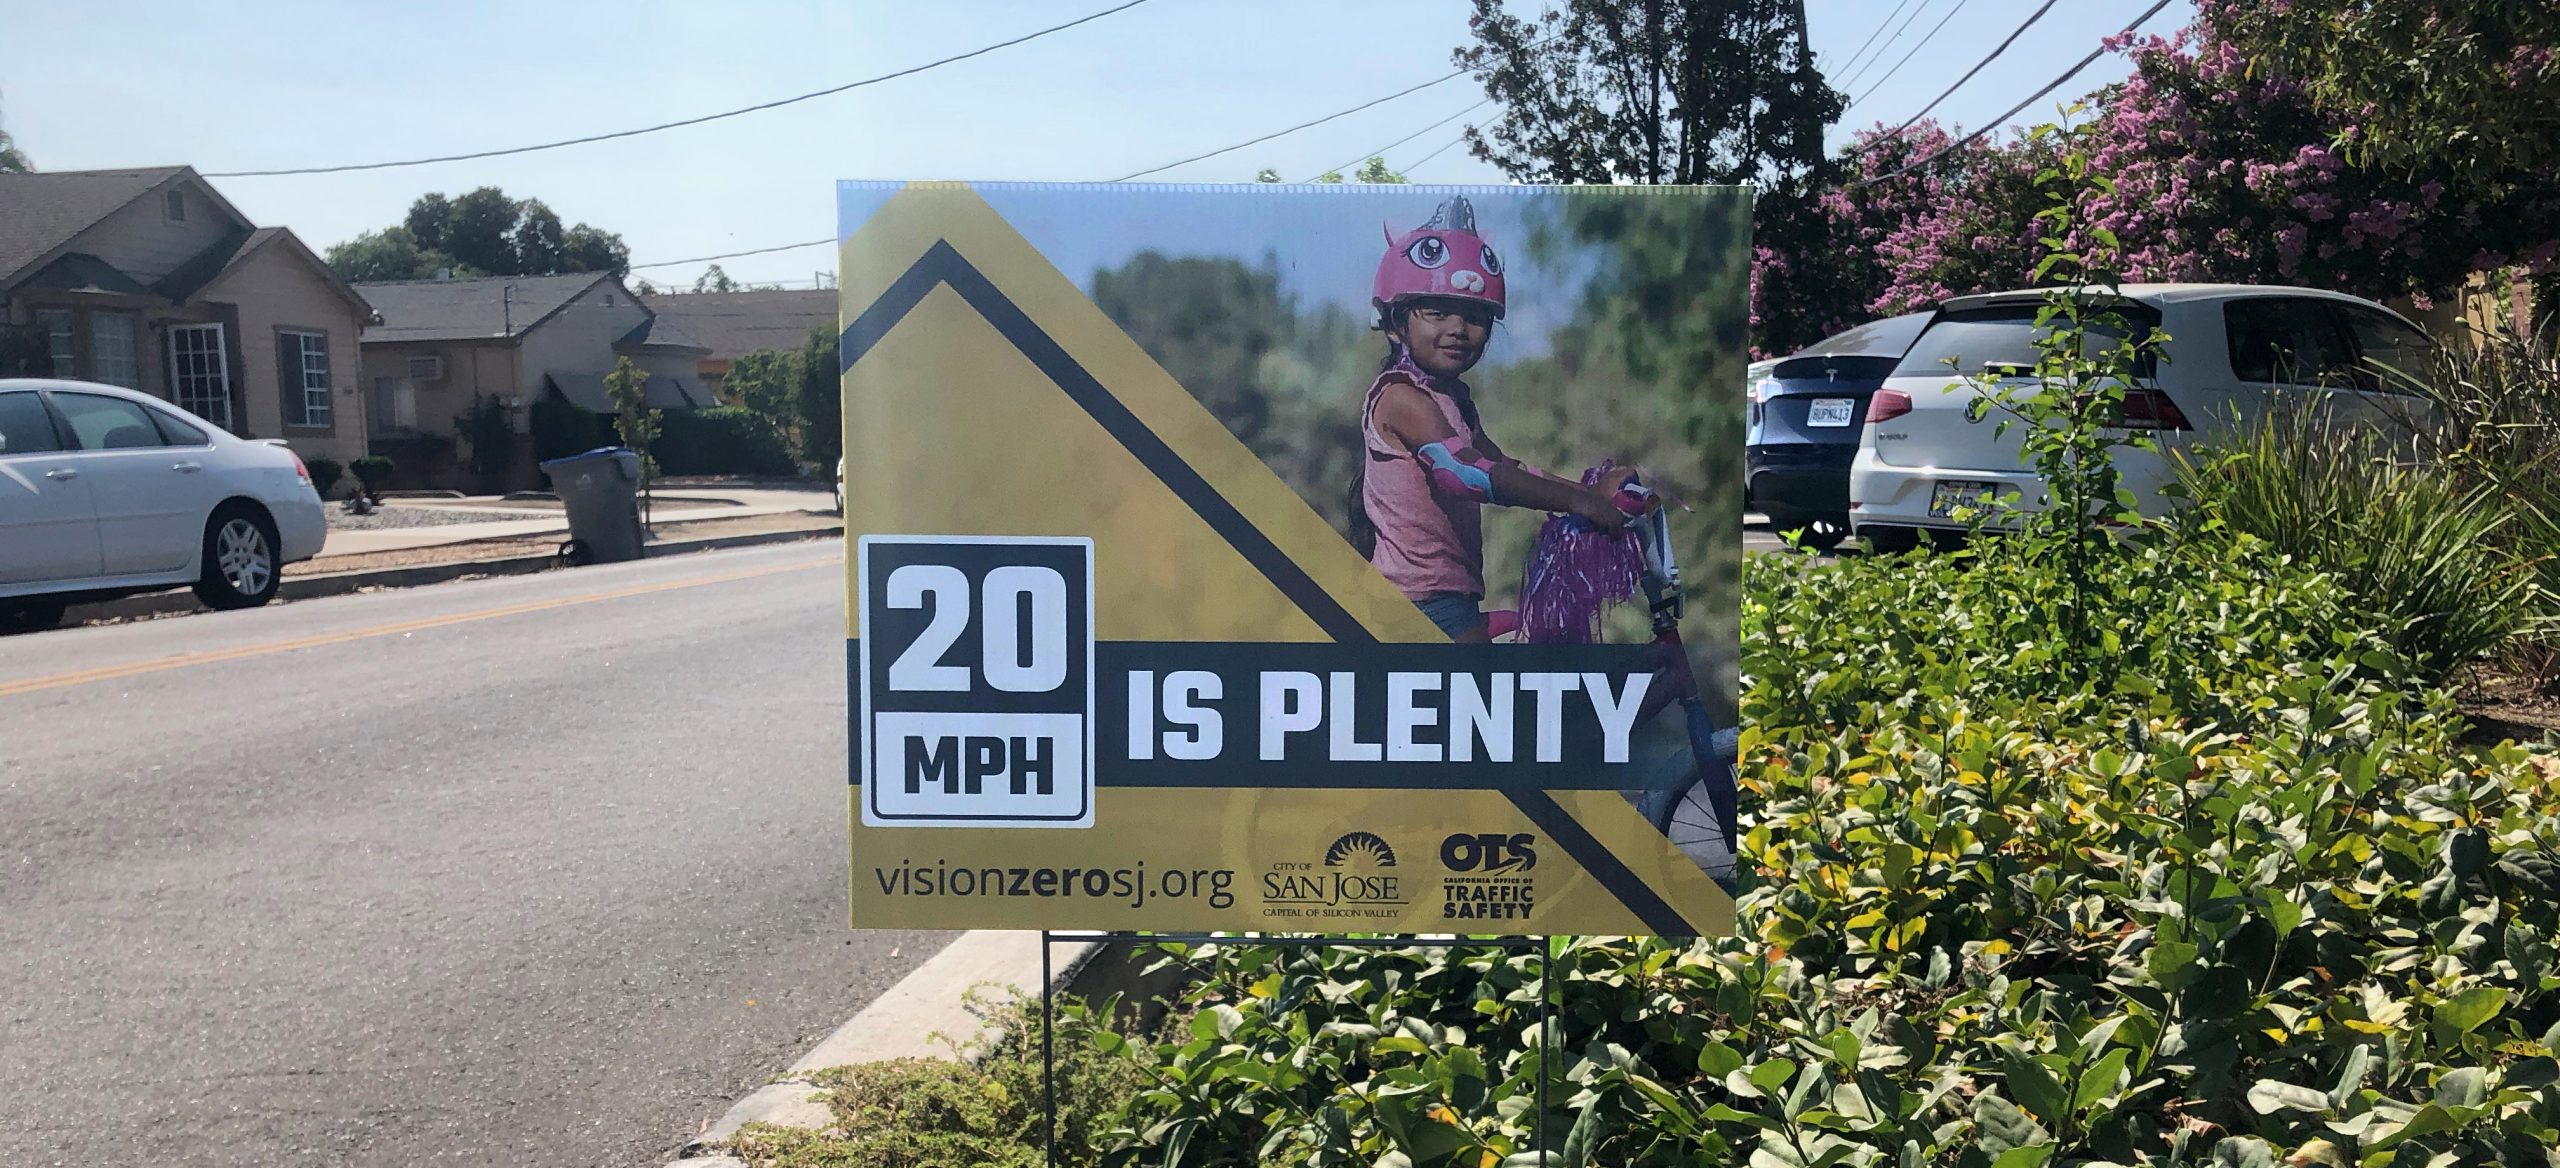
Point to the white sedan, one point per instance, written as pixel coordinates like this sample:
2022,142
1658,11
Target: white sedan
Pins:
106,492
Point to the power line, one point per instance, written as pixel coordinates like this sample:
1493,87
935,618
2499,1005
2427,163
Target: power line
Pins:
1440,80
1888,43
907,72
2031,99
1381,151
1906,57
1872,33
1896,132
1409,167
731,255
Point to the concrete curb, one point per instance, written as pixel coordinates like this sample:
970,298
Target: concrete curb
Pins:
341,583
925,1015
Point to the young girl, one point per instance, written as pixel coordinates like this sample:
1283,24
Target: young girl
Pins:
1430,465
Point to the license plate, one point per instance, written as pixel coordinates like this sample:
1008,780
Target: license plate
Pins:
1947,496
1829,411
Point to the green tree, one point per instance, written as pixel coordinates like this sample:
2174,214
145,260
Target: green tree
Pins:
821,400
13,160
488,435
391,254
2435,84
713,279
482,232
766,383
1210,320
633,419
1650,91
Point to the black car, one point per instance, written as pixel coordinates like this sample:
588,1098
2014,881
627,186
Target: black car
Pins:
1806,416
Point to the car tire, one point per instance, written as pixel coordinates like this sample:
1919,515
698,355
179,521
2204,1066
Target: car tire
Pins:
242,565
1886,541
31,615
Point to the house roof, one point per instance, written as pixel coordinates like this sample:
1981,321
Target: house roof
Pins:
78,271
734,324
587,391
215,264
42,212
658,332
473,309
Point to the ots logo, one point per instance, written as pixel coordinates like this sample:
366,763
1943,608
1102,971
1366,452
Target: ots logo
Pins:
1357,847
1491,853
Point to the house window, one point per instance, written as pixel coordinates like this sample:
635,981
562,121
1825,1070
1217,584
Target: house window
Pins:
395,406
302,369
200,372
174,204
56,323
426,368
115,351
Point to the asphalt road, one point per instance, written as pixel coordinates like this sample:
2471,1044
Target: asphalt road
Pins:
531,871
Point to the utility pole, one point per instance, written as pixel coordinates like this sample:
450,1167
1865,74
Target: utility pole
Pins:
507,311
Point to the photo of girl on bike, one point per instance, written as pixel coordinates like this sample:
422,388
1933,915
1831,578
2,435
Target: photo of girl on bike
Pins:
1408,359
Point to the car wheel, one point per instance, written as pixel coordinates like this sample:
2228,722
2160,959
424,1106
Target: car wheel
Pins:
1887,541
34,614
241,564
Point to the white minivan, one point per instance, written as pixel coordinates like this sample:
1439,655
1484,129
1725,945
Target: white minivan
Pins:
106,492
2235,353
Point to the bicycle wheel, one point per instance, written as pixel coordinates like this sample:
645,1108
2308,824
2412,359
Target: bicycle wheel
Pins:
1689,821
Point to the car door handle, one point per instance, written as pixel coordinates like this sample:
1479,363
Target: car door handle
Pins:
187,467
62,472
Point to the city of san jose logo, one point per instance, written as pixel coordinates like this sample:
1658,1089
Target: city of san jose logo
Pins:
1491,881
1355,877
976,681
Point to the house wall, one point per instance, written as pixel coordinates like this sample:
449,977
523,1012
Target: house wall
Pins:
275,289
580,335
470,368
143,244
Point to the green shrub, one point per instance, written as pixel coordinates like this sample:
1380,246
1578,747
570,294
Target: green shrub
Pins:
2247,901
325,473
982,1108
372,470
2426,557
561,429
727,440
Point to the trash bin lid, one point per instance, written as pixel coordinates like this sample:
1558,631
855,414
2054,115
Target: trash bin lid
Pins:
598,454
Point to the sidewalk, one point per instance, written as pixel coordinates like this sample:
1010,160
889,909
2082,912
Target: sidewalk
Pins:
550,521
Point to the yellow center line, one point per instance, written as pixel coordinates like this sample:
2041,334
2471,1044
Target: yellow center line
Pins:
181,660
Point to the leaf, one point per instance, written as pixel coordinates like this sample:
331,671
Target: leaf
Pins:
2025,1157
2001,1126
2270,1096
2468,1010
2101,1079
2351,1075
2245,1152
2463,1087
2035,1087
1716,1060
1584,1137
1771,1075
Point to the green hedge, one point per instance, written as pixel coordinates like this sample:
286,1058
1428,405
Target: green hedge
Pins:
727,440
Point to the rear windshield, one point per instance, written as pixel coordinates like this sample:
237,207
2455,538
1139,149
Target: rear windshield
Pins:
2005,335
1889,337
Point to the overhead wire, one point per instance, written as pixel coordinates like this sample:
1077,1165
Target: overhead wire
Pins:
2012,111
1906,57
1382,150
830,91
1888,43
1440,80
2003,47
1873,33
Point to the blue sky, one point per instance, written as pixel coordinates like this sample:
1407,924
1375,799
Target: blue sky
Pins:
309,83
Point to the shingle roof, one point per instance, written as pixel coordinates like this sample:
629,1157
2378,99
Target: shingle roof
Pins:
458,310
41,212
734,324
188,278
659,332
78,271
587,391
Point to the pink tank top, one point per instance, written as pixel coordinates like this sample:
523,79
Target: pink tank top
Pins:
1426,543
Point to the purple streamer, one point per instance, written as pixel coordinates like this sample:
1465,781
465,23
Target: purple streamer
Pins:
1575,573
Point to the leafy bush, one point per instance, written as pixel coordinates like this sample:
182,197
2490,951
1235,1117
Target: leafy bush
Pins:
2499,394
561,429
2425,557
372,470
325,473
1998,921
727,440
984,1108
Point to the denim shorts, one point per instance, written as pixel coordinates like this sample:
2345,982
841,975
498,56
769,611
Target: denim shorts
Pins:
1457,613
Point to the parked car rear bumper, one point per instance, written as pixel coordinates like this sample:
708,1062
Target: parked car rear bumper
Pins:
302,526
1899,496
1799,480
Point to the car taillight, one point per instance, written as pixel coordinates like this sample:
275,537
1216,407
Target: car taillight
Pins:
1887,405
2150,409
299,471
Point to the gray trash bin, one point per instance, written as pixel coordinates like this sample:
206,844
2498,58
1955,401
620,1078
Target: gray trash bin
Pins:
601,491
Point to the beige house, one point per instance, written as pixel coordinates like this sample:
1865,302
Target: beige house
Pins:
441,347
149,279
731,325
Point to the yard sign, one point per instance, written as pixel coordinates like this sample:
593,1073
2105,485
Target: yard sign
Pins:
1109,671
